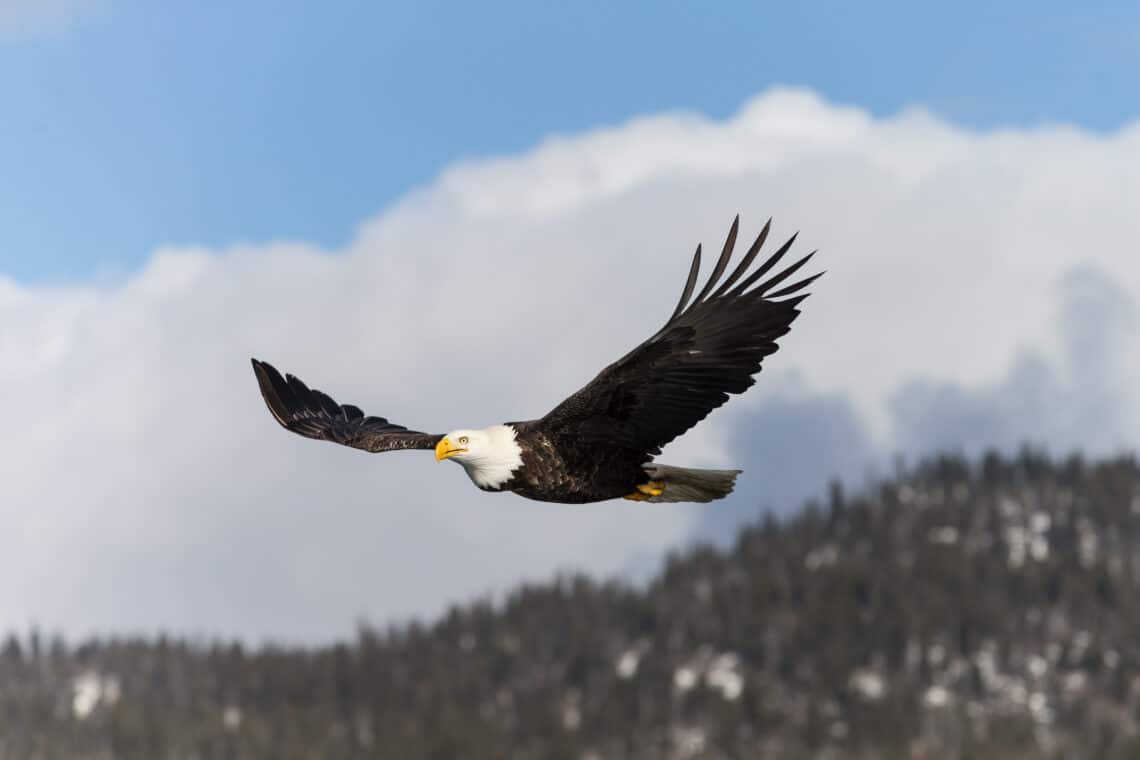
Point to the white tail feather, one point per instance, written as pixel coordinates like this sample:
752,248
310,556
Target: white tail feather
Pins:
691,484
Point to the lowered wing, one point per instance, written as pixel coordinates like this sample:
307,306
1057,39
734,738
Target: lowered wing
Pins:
313,414
709,348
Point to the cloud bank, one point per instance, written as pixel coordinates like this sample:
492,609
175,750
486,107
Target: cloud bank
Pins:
981,288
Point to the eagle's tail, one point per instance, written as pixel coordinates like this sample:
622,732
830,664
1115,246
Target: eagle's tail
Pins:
688,483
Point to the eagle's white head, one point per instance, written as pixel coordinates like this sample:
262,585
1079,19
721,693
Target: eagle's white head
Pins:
489,455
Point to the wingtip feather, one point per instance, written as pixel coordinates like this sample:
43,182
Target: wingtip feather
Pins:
766,267
722,262
746,262
690,283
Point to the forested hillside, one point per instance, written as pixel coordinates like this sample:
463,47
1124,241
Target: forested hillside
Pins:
983,609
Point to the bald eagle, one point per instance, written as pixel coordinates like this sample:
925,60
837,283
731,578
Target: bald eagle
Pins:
600,442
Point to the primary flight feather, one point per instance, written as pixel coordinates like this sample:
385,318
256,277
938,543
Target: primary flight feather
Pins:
600,442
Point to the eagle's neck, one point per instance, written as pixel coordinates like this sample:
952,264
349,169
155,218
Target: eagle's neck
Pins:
495,463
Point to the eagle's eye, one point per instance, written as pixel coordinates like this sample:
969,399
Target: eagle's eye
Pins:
462,440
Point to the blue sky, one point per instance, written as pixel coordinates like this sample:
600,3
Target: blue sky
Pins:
135,124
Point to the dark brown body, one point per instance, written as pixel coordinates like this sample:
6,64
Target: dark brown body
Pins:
571,472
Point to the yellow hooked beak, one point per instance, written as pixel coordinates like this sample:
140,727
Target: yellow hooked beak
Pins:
445,449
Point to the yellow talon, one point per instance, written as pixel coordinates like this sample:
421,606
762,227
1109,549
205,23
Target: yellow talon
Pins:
652,488
646,490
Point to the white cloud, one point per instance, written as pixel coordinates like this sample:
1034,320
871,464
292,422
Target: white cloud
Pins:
33,17
146,486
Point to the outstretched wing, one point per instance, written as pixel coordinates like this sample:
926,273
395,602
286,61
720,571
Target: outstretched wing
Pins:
313,414
707,349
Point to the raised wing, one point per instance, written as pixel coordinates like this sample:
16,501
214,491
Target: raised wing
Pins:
313,414
709,348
